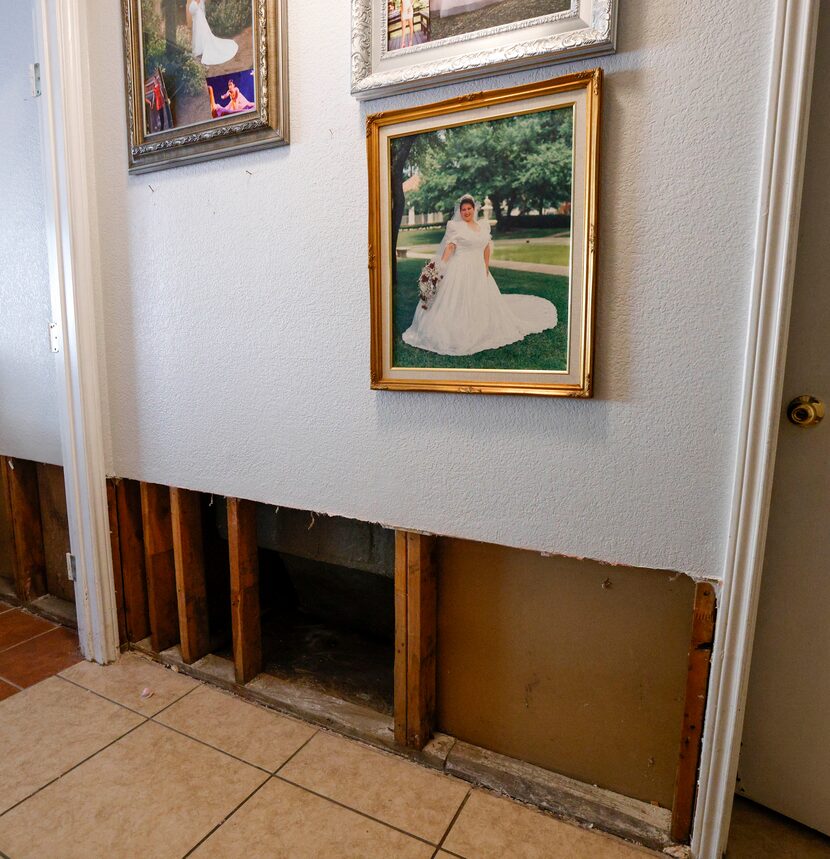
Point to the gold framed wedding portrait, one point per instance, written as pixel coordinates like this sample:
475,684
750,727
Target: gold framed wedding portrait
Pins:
205,79
483,241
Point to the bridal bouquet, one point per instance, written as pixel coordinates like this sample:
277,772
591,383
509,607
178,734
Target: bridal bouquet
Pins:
428,283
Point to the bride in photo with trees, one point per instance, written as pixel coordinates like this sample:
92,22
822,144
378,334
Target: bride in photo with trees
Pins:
520,165
468,313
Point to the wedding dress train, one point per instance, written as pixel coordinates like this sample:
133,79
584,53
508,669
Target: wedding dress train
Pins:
213,50
469,313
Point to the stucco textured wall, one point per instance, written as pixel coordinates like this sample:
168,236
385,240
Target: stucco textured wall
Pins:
242,367
28,406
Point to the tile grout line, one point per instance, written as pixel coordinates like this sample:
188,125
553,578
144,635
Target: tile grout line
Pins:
208,745
11,683
226,819
74,767
295,753
269,774
355,810
153,719
452,823
27,640
180,698
119,703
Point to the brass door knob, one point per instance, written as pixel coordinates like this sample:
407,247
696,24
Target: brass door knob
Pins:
805,411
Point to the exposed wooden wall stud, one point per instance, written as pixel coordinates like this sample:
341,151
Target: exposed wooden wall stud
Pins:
115,549
400,705
415,638
24,503
133,567
191,587
245,609
160,566
697,679
7,560
55,525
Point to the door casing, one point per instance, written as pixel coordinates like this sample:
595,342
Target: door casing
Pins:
785,140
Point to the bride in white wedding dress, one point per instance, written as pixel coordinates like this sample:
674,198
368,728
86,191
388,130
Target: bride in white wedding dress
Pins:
468,313
213,50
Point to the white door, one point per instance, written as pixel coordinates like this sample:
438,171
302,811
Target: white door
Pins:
785,754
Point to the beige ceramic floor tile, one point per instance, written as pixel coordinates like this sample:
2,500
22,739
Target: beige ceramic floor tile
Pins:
152,794
490,827
251,733
49,728
398,792
281,820
125,680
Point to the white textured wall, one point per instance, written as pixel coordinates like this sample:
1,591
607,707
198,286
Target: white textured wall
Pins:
243,368
28,405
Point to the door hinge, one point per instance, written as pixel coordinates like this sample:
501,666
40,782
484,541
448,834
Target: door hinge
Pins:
34,79
54,337
71,570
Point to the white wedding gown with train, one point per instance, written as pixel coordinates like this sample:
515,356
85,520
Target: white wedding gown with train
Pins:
213,50
468,313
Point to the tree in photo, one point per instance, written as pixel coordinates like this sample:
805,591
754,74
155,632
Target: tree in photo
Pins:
520,163
228,18
183,74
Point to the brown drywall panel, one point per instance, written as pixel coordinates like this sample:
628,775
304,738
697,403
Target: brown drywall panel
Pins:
6,533
53,517
568,664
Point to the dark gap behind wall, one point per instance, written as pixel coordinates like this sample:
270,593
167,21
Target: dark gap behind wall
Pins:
327,598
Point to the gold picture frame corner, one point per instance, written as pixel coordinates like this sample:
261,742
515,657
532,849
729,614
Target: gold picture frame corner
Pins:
451,113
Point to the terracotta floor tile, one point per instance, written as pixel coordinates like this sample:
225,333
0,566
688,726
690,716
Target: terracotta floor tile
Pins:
281,820
4,607
491,827
125,680
7,690
49,728
396,791
17,626
35,660
252,733
153,794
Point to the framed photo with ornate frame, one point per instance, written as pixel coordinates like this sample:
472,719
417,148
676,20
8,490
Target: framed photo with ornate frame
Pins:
402,45
483,241
204,79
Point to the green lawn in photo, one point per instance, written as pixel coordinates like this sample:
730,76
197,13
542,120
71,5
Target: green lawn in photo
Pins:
408,238
544,351
433,235
544,254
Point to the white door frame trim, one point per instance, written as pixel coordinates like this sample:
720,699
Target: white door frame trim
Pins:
61,28
776,239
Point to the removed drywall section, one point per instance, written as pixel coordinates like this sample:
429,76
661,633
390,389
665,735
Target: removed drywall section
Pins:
571,665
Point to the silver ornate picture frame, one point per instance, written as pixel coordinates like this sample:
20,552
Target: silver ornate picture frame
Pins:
382,64
177,68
